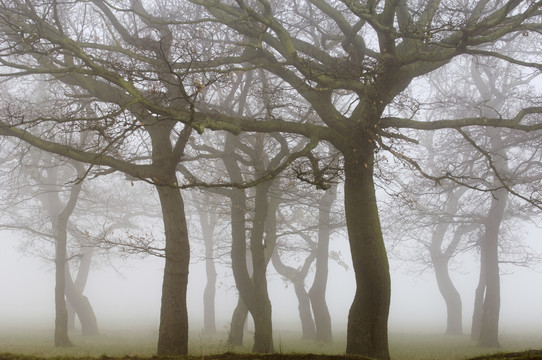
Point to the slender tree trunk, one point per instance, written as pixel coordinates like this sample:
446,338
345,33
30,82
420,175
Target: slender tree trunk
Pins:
209,294
252,290
78,304
173,332
207,227
61,318
308,327
367,331
478,305
317,293
440,259
81,306
238,321
454,321
489,324
61,241
297,277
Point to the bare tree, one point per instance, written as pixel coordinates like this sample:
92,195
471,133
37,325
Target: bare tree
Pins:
365,53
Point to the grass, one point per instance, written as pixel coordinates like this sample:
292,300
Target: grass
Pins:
142,344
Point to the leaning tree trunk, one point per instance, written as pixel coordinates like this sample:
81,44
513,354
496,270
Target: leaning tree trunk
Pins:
173,332
489,324
252,289
454,321
238,321
79,305
367,331
61,241
317,292
440,259
297,277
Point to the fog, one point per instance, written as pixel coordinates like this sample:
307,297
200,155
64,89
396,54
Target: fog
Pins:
126,294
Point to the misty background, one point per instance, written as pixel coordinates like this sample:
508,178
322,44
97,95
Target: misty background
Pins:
125,293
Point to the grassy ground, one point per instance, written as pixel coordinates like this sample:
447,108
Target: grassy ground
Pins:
142,344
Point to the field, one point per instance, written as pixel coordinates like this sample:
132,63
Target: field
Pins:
418,346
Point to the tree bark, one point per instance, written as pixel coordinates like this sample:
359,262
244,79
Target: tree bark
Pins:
367,331
173,331
317,292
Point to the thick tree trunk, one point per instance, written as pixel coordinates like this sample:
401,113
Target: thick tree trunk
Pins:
260,306
489,323
367,331
317,292
237,326
239,263
173,332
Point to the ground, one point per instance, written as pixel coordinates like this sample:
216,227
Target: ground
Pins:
525,355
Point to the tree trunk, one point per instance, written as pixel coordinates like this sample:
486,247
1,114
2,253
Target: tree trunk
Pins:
59,225
308,327
207,228
454,321
297,277
478,305
260,306
367,331
238,321
317,292
252,289
61,318
440,259
209,294
173,332
489,324
239,263
78,304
